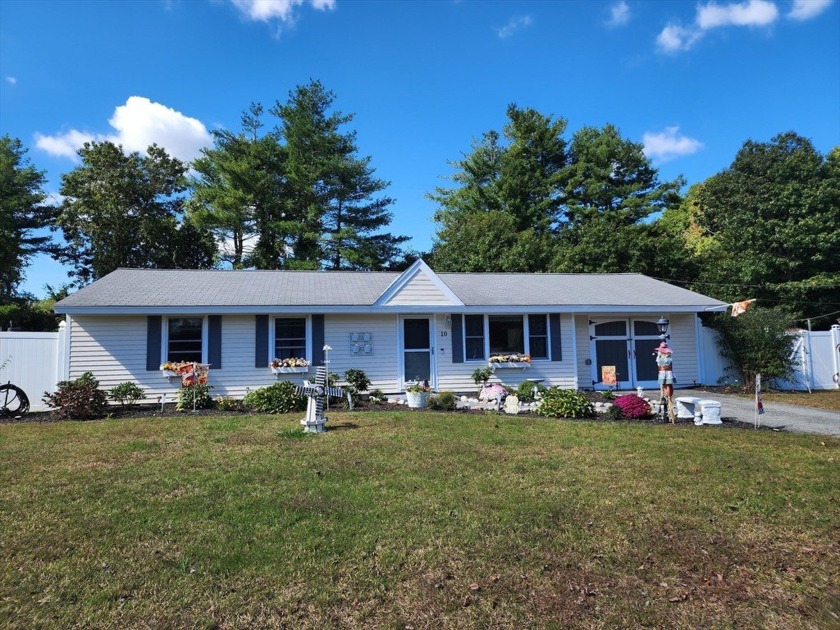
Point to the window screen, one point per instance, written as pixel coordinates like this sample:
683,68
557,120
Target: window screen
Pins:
184,341
474,337
538,336
290,338
507,334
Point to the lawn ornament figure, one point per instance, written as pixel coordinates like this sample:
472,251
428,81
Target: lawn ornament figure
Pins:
664,361
318,395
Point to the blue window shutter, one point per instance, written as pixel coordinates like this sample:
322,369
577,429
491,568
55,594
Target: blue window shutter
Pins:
457,338
317,340
554,331
153,328
214,342
261,342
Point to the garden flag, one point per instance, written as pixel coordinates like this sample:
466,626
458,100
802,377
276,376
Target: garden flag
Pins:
740,307
759,406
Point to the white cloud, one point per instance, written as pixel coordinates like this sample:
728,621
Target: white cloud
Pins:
675,38
11,80
619,14
669,144
138,124
64,144
751,13
514,24
283,10
806,9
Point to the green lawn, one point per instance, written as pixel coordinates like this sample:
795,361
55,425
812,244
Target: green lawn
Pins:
416,519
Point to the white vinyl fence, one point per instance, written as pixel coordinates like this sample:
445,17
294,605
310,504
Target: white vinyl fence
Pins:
34,361
815,356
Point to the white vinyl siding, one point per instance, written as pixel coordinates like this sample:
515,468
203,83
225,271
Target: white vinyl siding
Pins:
419,291
684,344
381,364
583,351
114,348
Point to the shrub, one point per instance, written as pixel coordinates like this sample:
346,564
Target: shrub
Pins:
277,398
480,376
358,379
632,407
615,413
444,401
755,342
79,399
565,403
608,395
527,391
194,397
127,394
376,396
228,403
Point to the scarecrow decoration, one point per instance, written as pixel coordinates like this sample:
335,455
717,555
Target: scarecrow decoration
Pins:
664,361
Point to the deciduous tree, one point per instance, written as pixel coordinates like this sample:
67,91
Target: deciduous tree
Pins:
774,217
123,210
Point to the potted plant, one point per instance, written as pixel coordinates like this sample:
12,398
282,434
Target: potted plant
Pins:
416,394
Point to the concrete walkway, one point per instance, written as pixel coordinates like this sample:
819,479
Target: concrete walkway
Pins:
777,415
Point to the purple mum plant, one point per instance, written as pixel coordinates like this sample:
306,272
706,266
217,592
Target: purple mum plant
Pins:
632,407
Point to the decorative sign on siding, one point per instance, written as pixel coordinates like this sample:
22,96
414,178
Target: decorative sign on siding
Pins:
361,343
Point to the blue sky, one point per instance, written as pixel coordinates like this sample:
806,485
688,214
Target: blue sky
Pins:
690,80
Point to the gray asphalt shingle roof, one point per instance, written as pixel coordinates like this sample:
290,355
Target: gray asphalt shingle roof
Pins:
190,287
596,289
197,288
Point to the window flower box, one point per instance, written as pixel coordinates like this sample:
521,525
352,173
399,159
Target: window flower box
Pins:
509,361
292,365
185,371
289,370
509,365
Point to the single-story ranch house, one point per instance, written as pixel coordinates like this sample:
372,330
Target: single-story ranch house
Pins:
397,327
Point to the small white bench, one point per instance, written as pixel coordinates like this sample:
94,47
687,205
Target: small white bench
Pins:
701,410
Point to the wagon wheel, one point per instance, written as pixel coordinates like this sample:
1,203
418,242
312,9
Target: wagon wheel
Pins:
13,401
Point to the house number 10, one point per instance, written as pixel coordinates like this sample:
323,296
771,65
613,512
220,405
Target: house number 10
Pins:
443,333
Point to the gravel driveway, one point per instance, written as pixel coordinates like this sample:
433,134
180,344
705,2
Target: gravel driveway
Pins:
777,415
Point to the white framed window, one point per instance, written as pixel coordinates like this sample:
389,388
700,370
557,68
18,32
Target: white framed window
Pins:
474,337
184,339
488,335
538,336
291,338
506,334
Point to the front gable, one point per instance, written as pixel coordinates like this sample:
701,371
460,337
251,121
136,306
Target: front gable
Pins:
418,286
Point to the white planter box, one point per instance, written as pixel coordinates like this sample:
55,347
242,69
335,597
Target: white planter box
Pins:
290,370
523,365
168,373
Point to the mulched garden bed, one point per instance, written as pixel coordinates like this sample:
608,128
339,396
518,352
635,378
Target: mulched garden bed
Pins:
169,411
